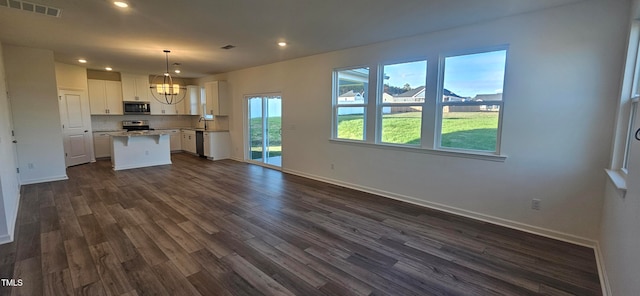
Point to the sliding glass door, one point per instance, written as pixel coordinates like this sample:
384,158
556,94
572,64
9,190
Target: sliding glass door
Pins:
265,129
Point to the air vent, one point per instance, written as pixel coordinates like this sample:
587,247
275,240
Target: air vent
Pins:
31,7
228,46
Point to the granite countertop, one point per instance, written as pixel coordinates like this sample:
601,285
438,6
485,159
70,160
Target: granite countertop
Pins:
198,129
108,130
139,133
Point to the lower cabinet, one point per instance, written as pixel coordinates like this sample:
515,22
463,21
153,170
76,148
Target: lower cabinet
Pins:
176,140
101,144
189,141
217,145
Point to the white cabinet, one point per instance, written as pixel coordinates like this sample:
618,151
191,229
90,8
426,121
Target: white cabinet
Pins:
176,140
135,87
191,103
105,97
217,145
217,101
189,141
158,108
101,144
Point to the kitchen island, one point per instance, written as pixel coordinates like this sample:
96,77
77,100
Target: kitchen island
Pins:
139,149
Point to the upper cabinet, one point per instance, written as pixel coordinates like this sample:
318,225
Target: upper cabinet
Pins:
105,97
192,101
217,102
135,87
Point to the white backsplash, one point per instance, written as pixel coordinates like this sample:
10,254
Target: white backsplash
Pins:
114,122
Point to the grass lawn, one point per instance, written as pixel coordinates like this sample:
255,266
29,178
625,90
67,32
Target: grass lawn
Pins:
466,130
275,139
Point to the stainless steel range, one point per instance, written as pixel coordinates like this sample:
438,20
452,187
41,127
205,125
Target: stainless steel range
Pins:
136,125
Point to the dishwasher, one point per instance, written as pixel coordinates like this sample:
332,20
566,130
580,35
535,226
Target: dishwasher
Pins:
200,143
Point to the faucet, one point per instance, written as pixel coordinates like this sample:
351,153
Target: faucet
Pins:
205,122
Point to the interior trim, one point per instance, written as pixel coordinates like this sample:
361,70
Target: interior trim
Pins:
44,180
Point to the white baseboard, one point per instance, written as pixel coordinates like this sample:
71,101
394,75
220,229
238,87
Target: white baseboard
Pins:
43,180
602,272
566,237
142,165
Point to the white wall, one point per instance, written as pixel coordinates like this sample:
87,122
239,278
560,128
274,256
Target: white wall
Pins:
31,82
620,229
9,186
71,77
560,93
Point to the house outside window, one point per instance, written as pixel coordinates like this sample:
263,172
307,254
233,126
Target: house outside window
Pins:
472,101
461,113
350,103
401,100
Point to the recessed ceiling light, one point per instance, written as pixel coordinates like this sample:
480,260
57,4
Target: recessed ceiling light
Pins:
83,61
108,68
121,4
177,71
282,43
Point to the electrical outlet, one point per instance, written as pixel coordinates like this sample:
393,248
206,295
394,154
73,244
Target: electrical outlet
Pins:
332,166
535,204
146,152
30,165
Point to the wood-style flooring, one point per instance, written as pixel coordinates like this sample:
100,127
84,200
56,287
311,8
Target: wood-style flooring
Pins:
228,228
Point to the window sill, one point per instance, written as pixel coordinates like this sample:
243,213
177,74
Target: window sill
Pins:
463,154
618,179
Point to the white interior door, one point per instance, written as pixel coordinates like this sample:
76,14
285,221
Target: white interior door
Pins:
76,127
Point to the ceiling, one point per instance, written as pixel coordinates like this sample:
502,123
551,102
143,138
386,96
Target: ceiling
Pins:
132,39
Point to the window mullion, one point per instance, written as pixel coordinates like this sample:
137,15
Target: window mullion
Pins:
429,109
371,109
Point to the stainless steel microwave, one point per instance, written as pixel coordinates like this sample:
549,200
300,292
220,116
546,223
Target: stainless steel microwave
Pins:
136,107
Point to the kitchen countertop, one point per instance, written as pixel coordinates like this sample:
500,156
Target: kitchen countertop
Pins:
198,129
139,133
109,130
162,129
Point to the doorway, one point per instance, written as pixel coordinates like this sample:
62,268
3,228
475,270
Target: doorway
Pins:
264,129
76,127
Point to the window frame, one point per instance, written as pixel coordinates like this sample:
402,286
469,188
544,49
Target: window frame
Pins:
335,106
628,104
380,104
431,121
439,104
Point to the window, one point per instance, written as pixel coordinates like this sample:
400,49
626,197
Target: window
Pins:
401,101
455,107
350,103
471,101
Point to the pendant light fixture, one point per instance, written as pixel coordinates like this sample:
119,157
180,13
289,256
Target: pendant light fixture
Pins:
166,89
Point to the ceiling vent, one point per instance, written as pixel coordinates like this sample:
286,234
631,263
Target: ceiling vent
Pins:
31,7
228,46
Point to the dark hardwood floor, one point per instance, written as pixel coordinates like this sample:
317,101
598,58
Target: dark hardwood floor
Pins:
227,228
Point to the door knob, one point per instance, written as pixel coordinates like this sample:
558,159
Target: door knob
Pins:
14,141
86,131
638,134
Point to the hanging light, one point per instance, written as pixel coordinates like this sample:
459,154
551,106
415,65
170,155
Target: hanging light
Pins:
164,89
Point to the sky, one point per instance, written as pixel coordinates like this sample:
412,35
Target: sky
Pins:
466,75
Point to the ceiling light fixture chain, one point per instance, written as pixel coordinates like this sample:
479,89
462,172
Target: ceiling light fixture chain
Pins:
166,91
